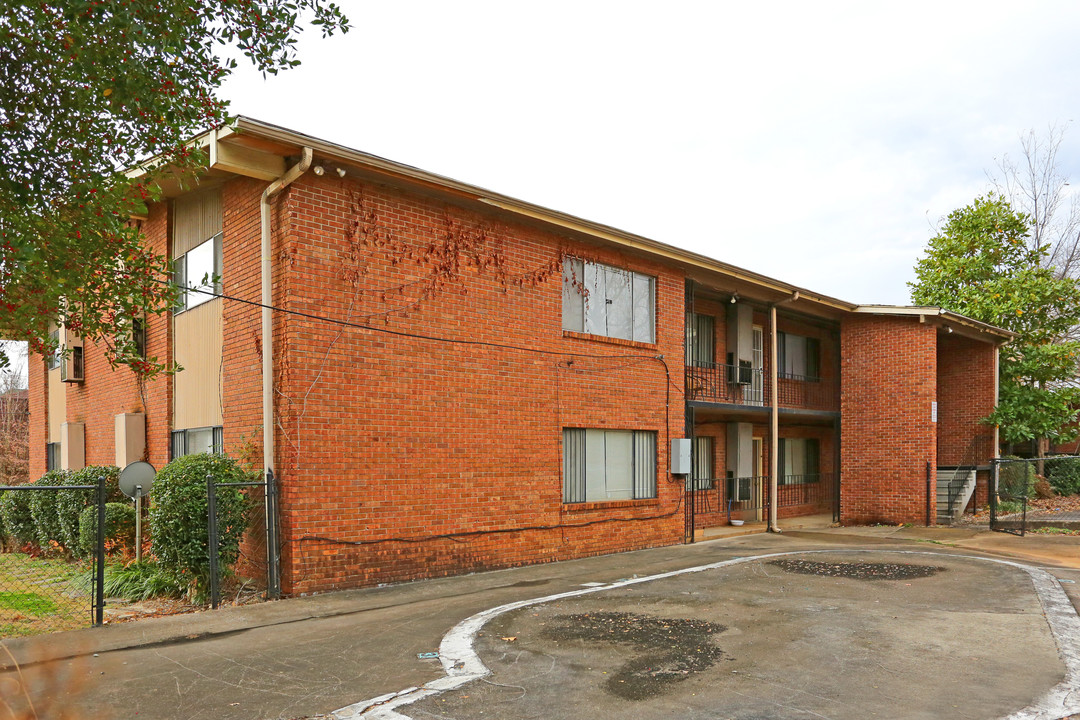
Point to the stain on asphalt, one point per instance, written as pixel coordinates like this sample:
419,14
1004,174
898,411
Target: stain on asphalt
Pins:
858,570
670,650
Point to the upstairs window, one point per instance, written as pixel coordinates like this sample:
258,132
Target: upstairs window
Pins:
700,339
199,270
601,465
799,357
609,301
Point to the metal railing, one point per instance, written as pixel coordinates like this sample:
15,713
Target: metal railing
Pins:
807,392
742,385
717,382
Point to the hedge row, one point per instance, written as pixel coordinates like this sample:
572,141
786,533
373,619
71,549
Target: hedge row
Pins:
67,519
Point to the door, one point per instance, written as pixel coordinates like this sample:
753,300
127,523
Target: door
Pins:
755,393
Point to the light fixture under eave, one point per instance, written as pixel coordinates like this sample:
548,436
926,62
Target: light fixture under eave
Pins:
341,172
948,329
734,298
318,170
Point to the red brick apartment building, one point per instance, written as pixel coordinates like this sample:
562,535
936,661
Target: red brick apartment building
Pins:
458,380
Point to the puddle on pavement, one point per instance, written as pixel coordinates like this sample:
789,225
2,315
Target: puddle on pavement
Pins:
669,650
858,570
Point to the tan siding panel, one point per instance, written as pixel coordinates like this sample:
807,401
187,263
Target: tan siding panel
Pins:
197,389
196,218
57,405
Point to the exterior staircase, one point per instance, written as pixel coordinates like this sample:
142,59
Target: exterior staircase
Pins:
957,483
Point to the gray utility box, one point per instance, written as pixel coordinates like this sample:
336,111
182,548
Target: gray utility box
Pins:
680,456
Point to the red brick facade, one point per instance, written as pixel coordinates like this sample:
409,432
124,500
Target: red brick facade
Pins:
423,434
889,386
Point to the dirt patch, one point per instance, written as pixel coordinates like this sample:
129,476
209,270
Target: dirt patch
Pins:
858,570
670,650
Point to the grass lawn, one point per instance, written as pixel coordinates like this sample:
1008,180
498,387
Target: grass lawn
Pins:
41,595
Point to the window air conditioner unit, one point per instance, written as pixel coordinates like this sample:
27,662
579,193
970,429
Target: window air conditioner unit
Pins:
741,375
71,366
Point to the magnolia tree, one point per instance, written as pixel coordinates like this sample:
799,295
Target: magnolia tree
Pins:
87,91
981,264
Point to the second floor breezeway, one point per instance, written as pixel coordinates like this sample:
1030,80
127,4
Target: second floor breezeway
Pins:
729,355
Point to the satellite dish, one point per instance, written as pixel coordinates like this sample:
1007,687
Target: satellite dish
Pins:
136,479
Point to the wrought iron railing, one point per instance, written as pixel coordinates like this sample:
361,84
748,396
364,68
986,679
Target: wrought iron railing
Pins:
742,497
807,392
743,385
809,489
717,382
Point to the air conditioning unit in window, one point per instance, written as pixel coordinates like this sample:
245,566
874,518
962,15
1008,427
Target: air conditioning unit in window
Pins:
71,366
742,374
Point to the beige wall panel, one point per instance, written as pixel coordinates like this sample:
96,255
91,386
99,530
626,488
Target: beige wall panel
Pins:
196,217
72,446
130,438
197,388
57,405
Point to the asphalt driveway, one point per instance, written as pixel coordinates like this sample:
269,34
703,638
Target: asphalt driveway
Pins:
776,641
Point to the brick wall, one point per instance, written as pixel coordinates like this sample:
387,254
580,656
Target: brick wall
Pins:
37,379
889,380
965,380
389,441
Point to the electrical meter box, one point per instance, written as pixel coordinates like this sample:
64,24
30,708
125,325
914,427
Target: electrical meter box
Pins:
680,456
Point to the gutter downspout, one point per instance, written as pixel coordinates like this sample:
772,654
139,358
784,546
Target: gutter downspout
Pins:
267,300
774,412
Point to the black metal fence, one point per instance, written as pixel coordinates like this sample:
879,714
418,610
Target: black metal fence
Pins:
47,595
260,551
1033,493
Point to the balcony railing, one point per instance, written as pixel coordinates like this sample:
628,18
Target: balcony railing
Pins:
810,393
742,385
715,382
743,494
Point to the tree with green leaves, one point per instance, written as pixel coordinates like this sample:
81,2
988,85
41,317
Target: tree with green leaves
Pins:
88,90
981,264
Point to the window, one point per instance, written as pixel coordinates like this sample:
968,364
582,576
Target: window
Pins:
703,462
608,301
54,356
800,461
52,456
799,357
699,340
196,440
603,465
200,270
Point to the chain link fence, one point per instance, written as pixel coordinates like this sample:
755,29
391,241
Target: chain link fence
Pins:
45,590
1035,493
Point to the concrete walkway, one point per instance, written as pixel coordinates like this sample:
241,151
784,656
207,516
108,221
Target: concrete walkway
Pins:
309,656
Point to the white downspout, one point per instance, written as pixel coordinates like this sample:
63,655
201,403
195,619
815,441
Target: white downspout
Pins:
267,300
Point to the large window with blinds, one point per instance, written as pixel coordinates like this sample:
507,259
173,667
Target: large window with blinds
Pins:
799,358
700,339
703,475
601,465
800,461
609,301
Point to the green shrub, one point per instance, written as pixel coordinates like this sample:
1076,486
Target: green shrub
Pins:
43,507
119,526
15,509
178,514
1008,507
71,503
1015,479
142,580
1064,475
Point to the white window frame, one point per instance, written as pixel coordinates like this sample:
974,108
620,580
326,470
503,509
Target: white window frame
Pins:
597,299
181,441
208,280
608,465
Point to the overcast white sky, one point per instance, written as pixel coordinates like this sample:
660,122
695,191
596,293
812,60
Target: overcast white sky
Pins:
813,142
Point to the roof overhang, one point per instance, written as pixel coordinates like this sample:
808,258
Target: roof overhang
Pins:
946,319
